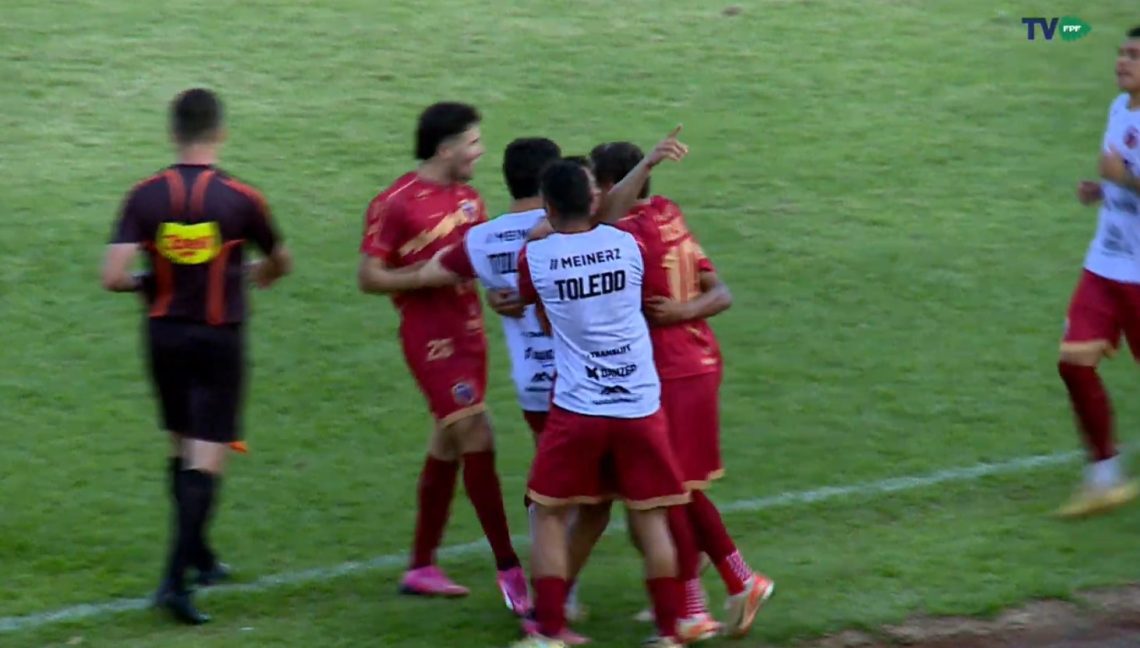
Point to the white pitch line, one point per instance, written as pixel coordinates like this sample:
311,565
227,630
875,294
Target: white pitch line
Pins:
322,574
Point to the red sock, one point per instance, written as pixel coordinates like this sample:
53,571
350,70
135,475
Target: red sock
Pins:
688,560
713,539
695,603
1092,407
667,595
735,572
482,484
437,488
550,605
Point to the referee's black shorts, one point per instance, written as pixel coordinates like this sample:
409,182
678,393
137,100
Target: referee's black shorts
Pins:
199,375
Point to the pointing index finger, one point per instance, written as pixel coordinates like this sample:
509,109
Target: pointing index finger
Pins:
676,131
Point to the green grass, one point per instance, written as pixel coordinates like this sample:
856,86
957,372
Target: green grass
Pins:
887,187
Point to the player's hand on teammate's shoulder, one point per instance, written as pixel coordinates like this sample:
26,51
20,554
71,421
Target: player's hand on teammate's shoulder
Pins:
506,303
669,148
432,273
1089,192
662,311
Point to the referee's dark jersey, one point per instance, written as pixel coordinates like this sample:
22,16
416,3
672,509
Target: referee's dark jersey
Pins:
193,222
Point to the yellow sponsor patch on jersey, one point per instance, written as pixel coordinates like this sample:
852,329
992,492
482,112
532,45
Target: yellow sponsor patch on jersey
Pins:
189,244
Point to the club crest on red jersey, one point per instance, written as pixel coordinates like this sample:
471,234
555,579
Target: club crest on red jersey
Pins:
1132,137
463,393
470,209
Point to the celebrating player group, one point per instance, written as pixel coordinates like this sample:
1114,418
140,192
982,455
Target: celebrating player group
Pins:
604,295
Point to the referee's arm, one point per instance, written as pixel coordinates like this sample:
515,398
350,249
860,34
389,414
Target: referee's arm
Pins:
123,249
117,275
277,261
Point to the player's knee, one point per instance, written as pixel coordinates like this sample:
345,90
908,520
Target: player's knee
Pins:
1083,357
205,456
472,434
442,446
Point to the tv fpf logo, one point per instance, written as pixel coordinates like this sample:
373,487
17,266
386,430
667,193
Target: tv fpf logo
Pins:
1071,28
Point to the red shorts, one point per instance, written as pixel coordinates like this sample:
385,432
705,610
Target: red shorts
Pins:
536,421
1100,311
692,406
590,459
454,381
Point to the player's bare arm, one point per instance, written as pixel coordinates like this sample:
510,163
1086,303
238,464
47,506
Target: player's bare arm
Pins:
714,299
1115,169
623,196
117,263
374,277
540,231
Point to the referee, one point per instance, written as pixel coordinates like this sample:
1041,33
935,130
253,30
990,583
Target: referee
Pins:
191,221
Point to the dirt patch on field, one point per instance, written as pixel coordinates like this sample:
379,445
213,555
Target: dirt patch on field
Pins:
1108,618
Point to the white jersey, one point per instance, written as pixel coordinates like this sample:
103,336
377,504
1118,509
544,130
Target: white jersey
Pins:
1115,249
493,248
590,285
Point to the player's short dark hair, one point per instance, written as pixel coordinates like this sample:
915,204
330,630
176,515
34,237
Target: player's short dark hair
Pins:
195,115
614,160
580,160
441,121
1134,32
523,163
566,188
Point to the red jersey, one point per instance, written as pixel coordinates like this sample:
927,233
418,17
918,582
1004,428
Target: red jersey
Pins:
673,264
408,223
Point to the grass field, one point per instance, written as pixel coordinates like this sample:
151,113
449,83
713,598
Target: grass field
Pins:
886,185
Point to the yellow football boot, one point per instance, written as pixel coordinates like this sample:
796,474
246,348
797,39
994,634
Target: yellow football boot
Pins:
1091,500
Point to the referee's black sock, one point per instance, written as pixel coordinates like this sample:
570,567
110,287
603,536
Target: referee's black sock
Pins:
174,469
197,494
205,559
174,474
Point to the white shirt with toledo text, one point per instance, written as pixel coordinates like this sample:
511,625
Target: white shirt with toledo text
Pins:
1115,249
590,285
493,248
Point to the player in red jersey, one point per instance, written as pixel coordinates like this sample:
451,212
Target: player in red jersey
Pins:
1106,301
441,330
686,291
